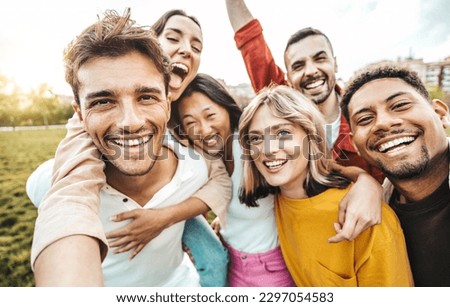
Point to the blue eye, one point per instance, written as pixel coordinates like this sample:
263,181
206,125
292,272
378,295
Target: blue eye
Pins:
283,134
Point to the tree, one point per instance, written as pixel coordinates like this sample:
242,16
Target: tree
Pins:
10,97
436,92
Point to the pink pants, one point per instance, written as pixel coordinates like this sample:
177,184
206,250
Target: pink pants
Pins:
258,270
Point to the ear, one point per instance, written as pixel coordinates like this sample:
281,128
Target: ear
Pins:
353,143
77,109
442,111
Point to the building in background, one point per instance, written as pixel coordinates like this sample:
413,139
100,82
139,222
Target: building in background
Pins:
436,75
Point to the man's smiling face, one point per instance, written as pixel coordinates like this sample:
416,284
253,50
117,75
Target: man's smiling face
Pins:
124,109
396,128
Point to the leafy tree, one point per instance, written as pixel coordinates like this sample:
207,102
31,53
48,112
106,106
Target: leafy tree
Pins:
436,92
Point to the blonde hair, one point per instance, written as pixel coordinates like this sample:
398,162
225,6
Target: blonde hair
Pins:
289,104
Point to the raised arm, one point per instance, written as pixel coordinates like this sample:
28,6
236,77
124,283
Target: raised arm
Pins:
259,62
238,13
68,216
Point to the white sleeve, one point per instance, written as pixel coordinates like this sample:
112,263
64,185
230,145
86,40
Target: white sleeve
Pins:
39,182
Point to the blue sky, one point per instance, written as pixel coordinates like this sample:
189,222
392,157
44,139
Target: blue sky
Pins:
34,33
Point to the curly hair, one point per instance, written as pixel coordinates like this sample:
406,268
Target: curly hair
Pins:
375,72
112,36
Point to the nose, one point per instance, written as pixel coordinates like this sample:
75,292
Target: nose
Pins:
271,144
386,121
205,129
185,48
131,119
310,68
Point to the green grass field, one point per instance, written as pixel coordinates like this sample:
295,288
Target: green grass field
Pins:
20,153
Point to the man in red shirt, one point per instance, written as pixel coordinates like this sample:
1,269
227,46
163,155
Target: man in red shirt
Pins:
311,68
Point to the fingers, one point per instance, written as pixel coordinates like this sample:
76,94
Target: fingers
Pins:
120,241
343,234
121,232
137,250
125,247
123,216
341,213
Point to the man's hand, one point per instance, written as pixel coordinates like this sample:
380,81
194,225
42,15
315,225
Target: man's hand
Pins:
359,209
146,225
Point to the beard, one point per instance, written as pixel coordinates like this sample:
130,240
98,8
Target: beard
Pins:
407,170
321,97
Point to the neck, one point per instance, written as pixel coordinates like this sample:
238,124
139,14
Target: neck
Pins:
295,189
298,193
142,188
330,108
428,181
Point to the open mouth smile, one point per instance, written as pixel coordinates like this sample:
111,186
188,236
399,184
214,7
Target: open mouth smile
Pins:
396,144
180,70
272,165
131,142
314,84
211,140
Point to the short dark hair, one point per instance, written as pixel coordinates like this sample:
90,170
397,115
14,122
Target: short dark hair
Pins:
214,90
375,72
112,36
160,24
304,33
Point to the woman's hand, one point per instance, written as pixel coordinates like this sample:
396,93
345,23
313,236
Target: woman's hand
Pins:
146,224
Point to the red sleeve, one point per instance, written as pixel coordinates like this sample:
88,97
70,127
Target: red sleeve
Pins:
261,67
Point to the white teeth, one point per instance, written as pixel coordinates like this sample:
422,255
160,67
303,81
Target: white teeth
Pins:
274,164
386,146
131,142
211,141
314,84
181,66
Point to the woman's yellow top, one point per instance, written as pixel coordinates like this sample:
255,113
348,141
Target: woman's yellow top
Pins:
377,257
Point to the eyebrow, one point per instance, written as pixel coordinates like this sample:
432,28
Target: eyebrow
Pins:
273,127
317,54
321,52
178,31
103,93
147,89
386,101
190,115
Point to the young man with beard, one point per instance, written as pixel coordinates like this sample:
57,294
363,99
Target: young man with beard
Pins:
120,79
311,68
397,128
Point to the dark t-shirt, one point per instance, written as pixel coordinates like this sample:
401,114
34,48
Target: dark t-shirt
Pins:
426,225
